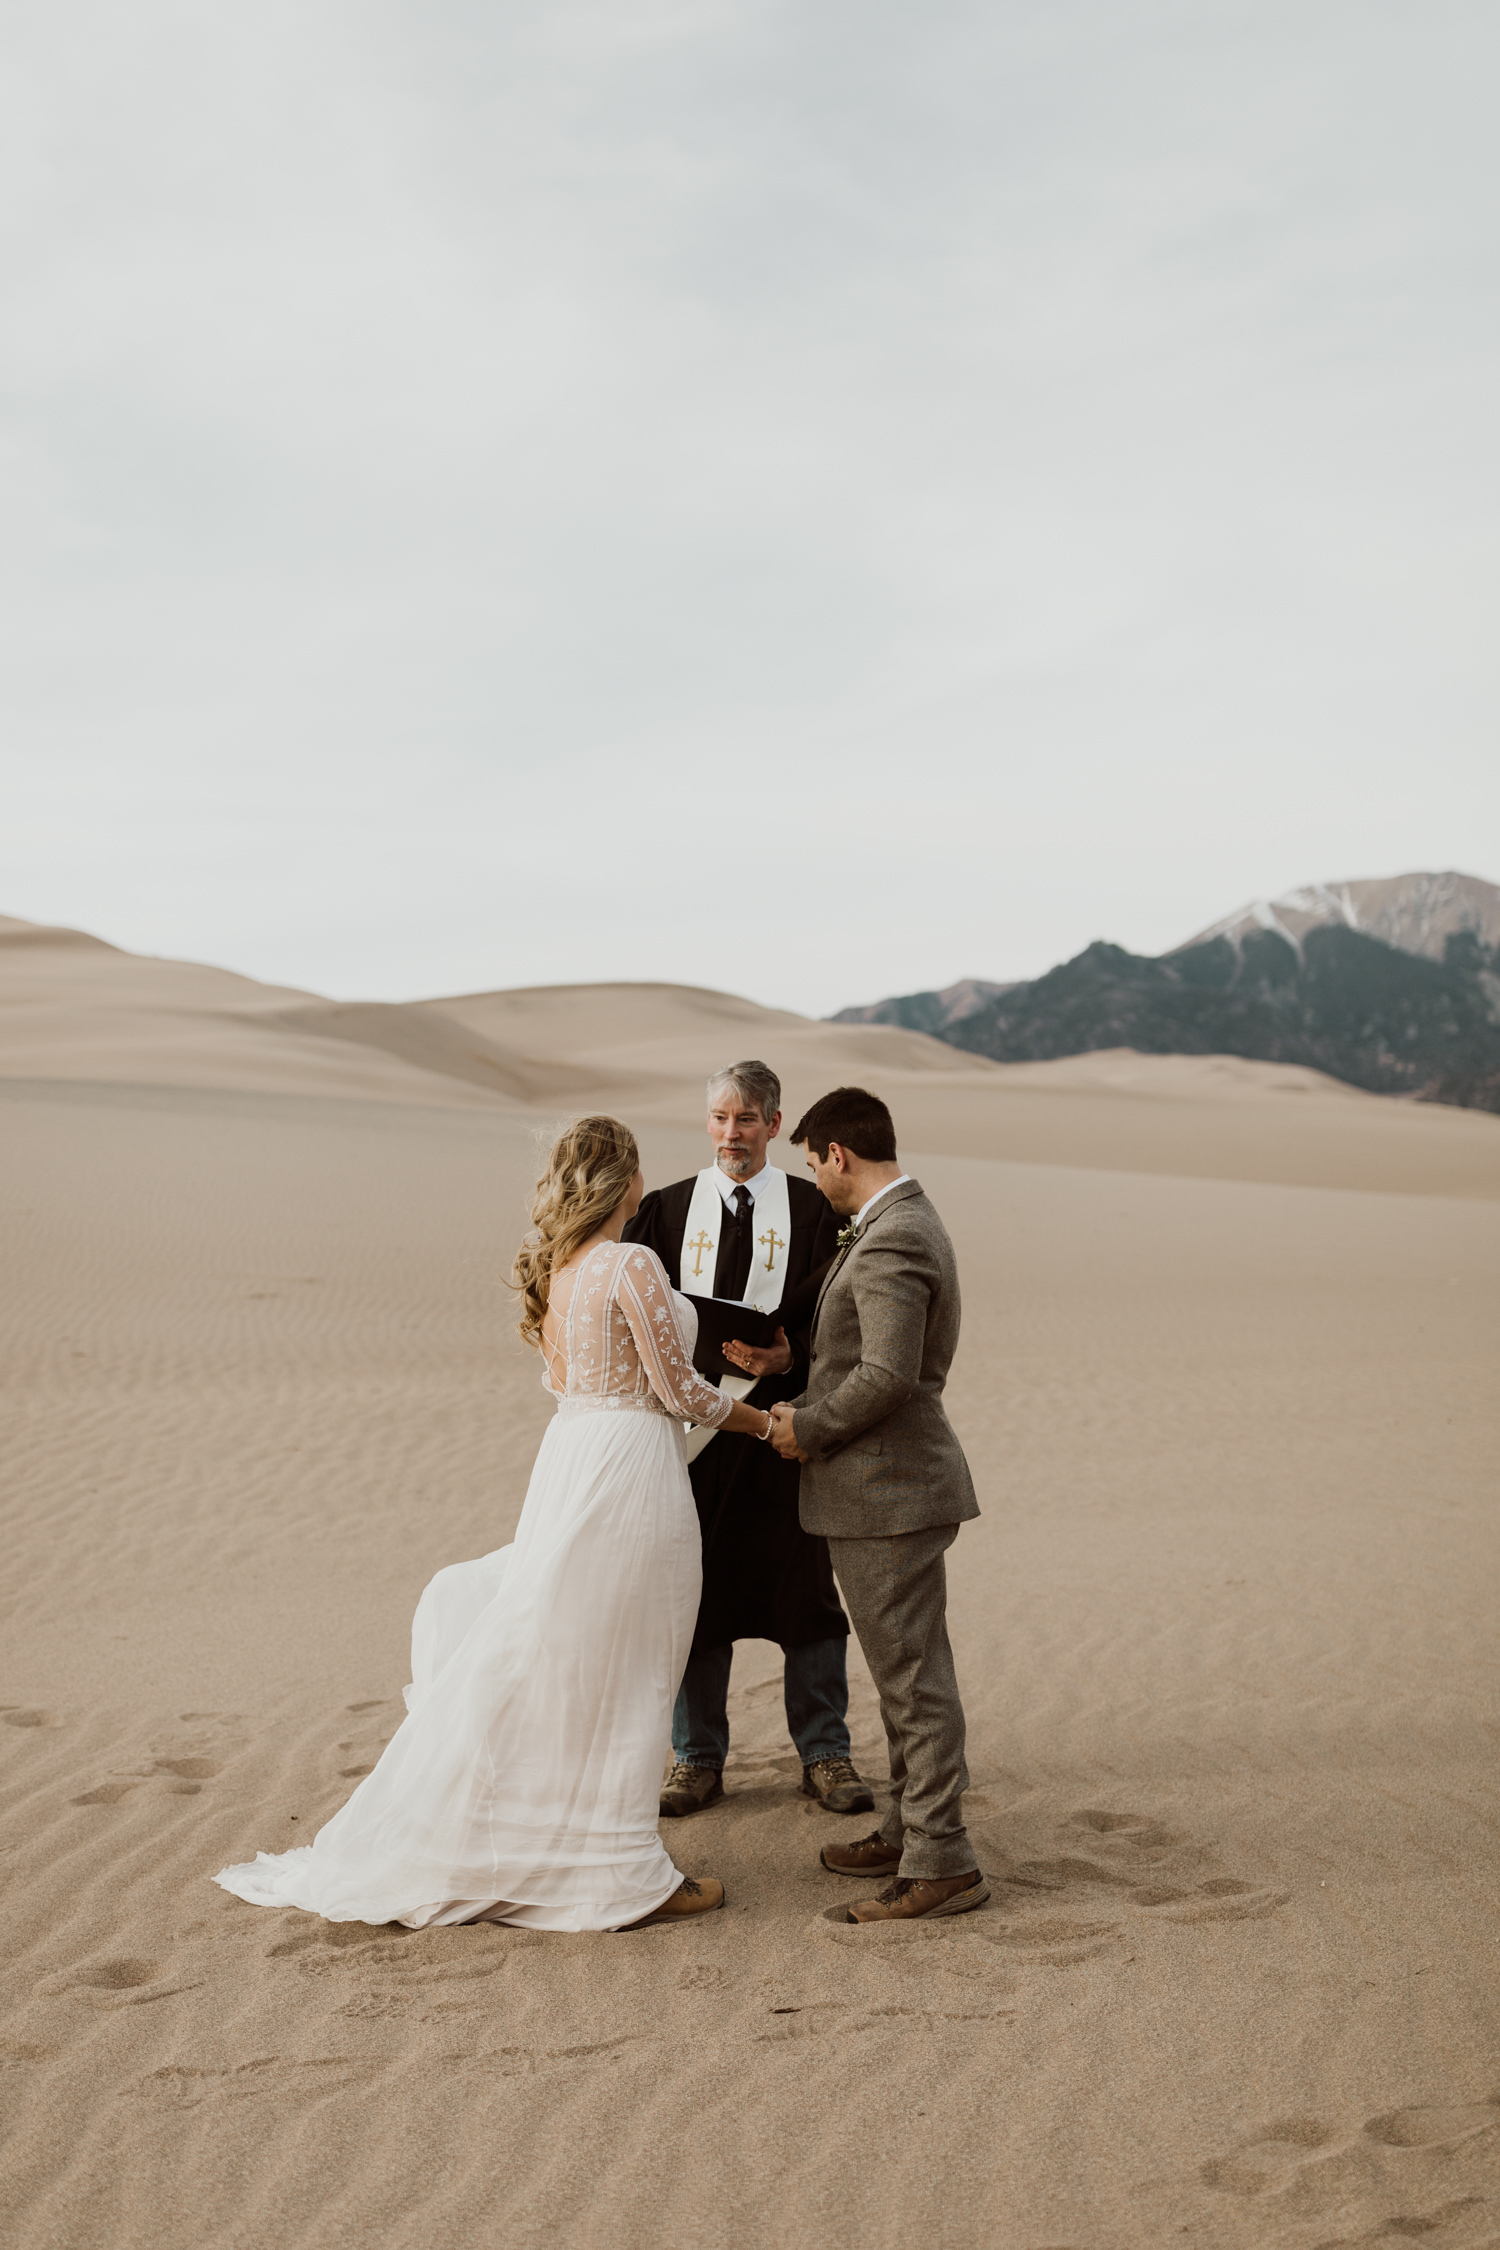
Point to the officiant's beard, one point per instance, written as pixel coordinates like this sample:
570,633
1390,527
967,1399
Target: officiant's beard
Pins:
736,1163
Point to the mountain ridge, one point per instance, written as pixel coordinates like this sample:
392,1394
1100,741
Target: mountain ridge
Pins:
1309,978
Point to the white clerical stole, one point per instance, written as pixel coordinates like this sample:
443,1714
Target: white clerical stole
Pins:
771,1225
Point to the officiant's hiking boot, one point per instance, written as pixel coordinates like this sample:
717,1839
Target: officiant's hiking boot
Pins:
690,1897
867,1857
834,1782
907,1900
687,1789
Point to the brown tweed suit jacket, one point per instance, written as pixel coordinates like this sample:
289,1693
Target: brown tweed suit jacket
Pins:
885,1457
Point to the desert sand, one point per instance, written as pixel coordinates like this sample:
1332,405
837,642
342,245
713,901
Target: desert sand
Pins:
1226,1634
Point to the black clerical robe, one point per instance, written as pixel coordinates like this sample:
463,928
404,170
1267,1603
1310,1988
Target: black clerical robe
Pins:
764,1577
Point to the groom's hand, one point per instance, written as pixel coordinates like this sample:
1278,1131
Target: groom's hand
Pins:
783,1435
772,1359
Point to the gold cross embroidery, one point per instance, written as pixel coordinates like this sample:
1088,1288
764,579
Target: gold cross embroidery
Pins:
773,1243
703,1241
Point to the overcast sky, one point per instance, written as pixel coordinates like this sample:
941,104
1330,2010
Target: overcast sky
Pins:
816,498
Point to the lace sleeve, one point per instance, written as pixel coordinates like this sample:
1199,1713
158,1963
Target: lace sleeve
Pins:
644,1296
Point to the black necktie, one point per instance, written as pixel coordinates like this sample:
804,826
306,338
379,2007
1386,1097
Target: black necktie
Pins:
732,1268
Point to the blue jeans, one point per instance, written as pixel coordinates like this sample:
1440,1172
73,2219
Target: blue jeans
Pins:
815,1686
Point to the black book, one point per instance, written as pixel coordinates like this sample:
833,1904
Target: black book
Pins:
721,1321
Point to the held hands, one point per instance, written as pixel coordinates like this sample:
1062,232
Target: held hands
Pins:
772,1359
783,1437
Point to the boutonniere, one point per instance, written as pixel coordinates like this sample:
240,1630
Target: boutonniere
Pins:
847,1236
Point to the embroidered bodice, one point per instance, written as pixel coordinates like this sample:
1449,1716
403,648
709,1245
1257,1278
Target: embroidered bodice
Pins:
618,1334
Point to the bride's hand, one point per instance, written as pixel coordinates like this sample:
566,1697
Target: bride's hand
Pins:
747,1421
783,1435
771,1359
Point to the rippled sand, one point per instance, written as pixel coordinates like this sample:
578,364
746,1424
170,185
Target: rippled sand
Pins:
1225,1630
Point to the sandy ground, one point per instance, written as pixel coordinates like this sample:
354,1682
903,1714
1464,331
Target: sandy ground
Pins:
1225,1631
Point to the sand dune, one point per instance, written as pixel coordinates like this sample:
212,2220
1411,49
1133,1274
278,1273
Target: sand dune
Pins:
1225,1630
75,1009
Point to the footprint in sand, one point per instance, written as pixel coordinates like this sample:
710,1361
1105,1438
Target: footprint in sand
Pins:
188,1777
15,1717
1057,1941
414,1957
125,1982
337,1946
528,2062
335,1937
117,1976
377,2007
1138,1831
1310,2165
189,2085
818,2019
1122,1847
1058,1874
189,1761
1412,2226
704,1976
1166,1888
1440,2126
831,2019
1220,1900
1273,2159
954,1947
365,1749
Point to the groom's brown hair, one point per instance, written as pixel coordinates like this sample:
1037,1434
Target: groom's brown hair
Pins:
858,1121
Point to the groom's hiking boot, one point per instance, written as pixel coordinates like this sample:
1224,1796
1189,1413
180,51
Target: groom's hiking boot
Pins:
690,1897
834,1782
687,1789
867,1857
907,1900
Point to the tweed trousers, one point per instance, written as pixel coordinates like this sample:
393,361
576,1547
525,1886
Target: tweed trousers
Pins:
895,1589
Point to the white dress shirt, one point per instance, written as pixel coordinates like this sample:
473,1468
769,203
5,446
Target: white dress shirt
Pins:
879,1192
726,1186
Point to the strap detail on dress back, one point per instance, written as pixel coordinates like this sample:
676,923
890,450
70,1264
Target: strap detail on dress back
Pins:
568,1328
551,1352
550,1357
569,1341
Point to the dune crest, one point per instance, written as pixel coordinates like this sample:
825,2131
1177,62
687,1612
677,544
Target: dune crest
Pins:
74,1009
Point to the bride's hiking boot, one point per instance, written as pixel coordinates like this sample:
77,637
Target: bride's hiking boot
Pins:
691,1896
836,1785
688,1789
907,1900
867,1857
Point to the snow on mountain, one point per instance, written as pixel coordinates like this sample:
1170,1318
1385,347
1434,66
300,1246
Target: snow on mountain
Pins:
1418,913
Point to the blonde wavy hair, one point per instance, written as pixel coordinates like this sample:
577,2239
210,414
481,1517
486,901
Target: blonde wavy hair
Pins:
587,1177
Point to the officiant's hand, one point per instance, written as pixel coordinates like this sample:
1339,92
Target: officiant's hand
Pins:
773,1359
784,1435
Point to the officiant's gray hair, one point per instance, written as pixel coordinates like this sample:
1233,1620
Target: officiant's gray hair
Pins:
753,1082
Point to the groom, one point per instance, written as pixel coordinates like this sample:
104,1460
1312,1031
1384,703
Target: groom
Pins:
742,1229
884,1479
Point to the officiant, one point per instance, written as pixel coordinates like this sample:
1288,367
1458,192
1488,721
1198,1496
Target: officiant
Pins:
743,1230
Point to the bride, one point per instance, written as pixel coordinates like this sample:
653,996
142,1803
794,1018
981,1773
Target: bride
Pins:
522,1786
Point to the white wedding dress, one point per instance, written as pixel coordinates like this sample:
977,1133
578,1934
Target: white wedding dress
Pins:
523,1784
